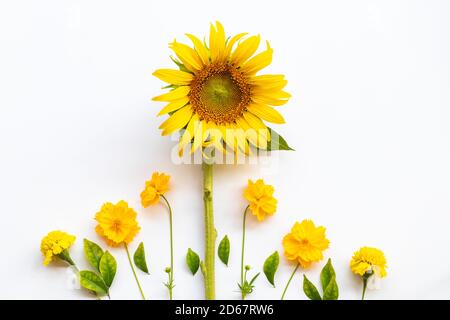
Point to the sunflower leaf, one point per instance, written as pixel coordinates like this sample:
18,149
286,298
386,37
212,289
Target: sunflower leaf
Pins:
93,253
224,250
310,289
277,142
193,261
92,282
139,258
108,268
271,266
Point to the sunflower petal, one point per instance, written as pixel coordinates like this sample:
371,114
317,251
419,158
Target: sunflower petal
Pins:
269,101
187,55
176,121
245,50
231,43
252,135
257,124
198,136
188,135
200,48
217,42
266,113
172,76
174,105
266,78
175,94
258,62
269,87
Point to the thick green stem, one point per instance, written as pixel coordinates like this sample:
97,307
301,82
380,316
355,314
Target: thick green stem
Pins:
289,281
243,251
170,286
210,232
134,271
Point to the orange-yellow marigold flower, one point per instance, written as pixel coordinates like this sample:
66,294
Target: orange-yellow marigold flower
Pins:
56,243
260,197
154,188
305,243
117,223
370,260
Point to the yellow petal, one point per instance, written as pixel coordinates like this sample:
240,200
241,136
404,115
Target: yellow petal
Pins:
176,94
217,42
200,48
266,113
269,86
258,62
231,43
176,77
252,135
266,79
187,55
198,136
257,124
188,135
269,101
176,121
174,105
245,50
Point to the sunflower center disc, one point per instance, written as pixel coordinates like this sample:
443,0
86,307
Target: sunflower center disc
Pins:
219,93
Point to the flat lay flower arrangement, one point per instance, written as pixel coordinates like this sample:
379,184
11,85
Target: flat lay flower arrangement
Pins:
218,106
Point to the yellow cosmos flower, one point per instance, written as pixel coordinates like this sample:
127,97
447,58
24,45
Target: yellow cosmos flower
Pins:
217,96
369,260
261,199
154,188
117,223
56,243
305,243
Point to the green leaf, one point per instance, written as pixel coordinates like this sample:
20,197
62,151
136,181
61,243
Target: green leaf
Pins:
224,250
271,266
93,282
277,142
332,290
193,261
326,274
139,258
310,290
108,268
93,253
253,279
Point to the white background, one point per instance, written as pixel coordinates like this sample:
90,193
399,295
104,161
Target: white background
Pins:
369,119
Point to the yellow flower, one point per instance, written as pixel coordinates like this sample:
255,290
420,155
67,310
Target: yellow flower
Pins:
117,223
305,243
261,199
56,243
369,260
217,96
154,188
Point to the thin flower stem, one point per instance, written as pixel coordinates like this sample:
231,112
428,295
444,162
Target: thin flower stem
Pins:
364,288
210,232
289,281
134,271
171,248
243,250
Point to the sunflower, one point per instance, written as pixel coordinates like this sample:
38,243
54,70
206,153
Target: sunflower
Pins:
217,96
